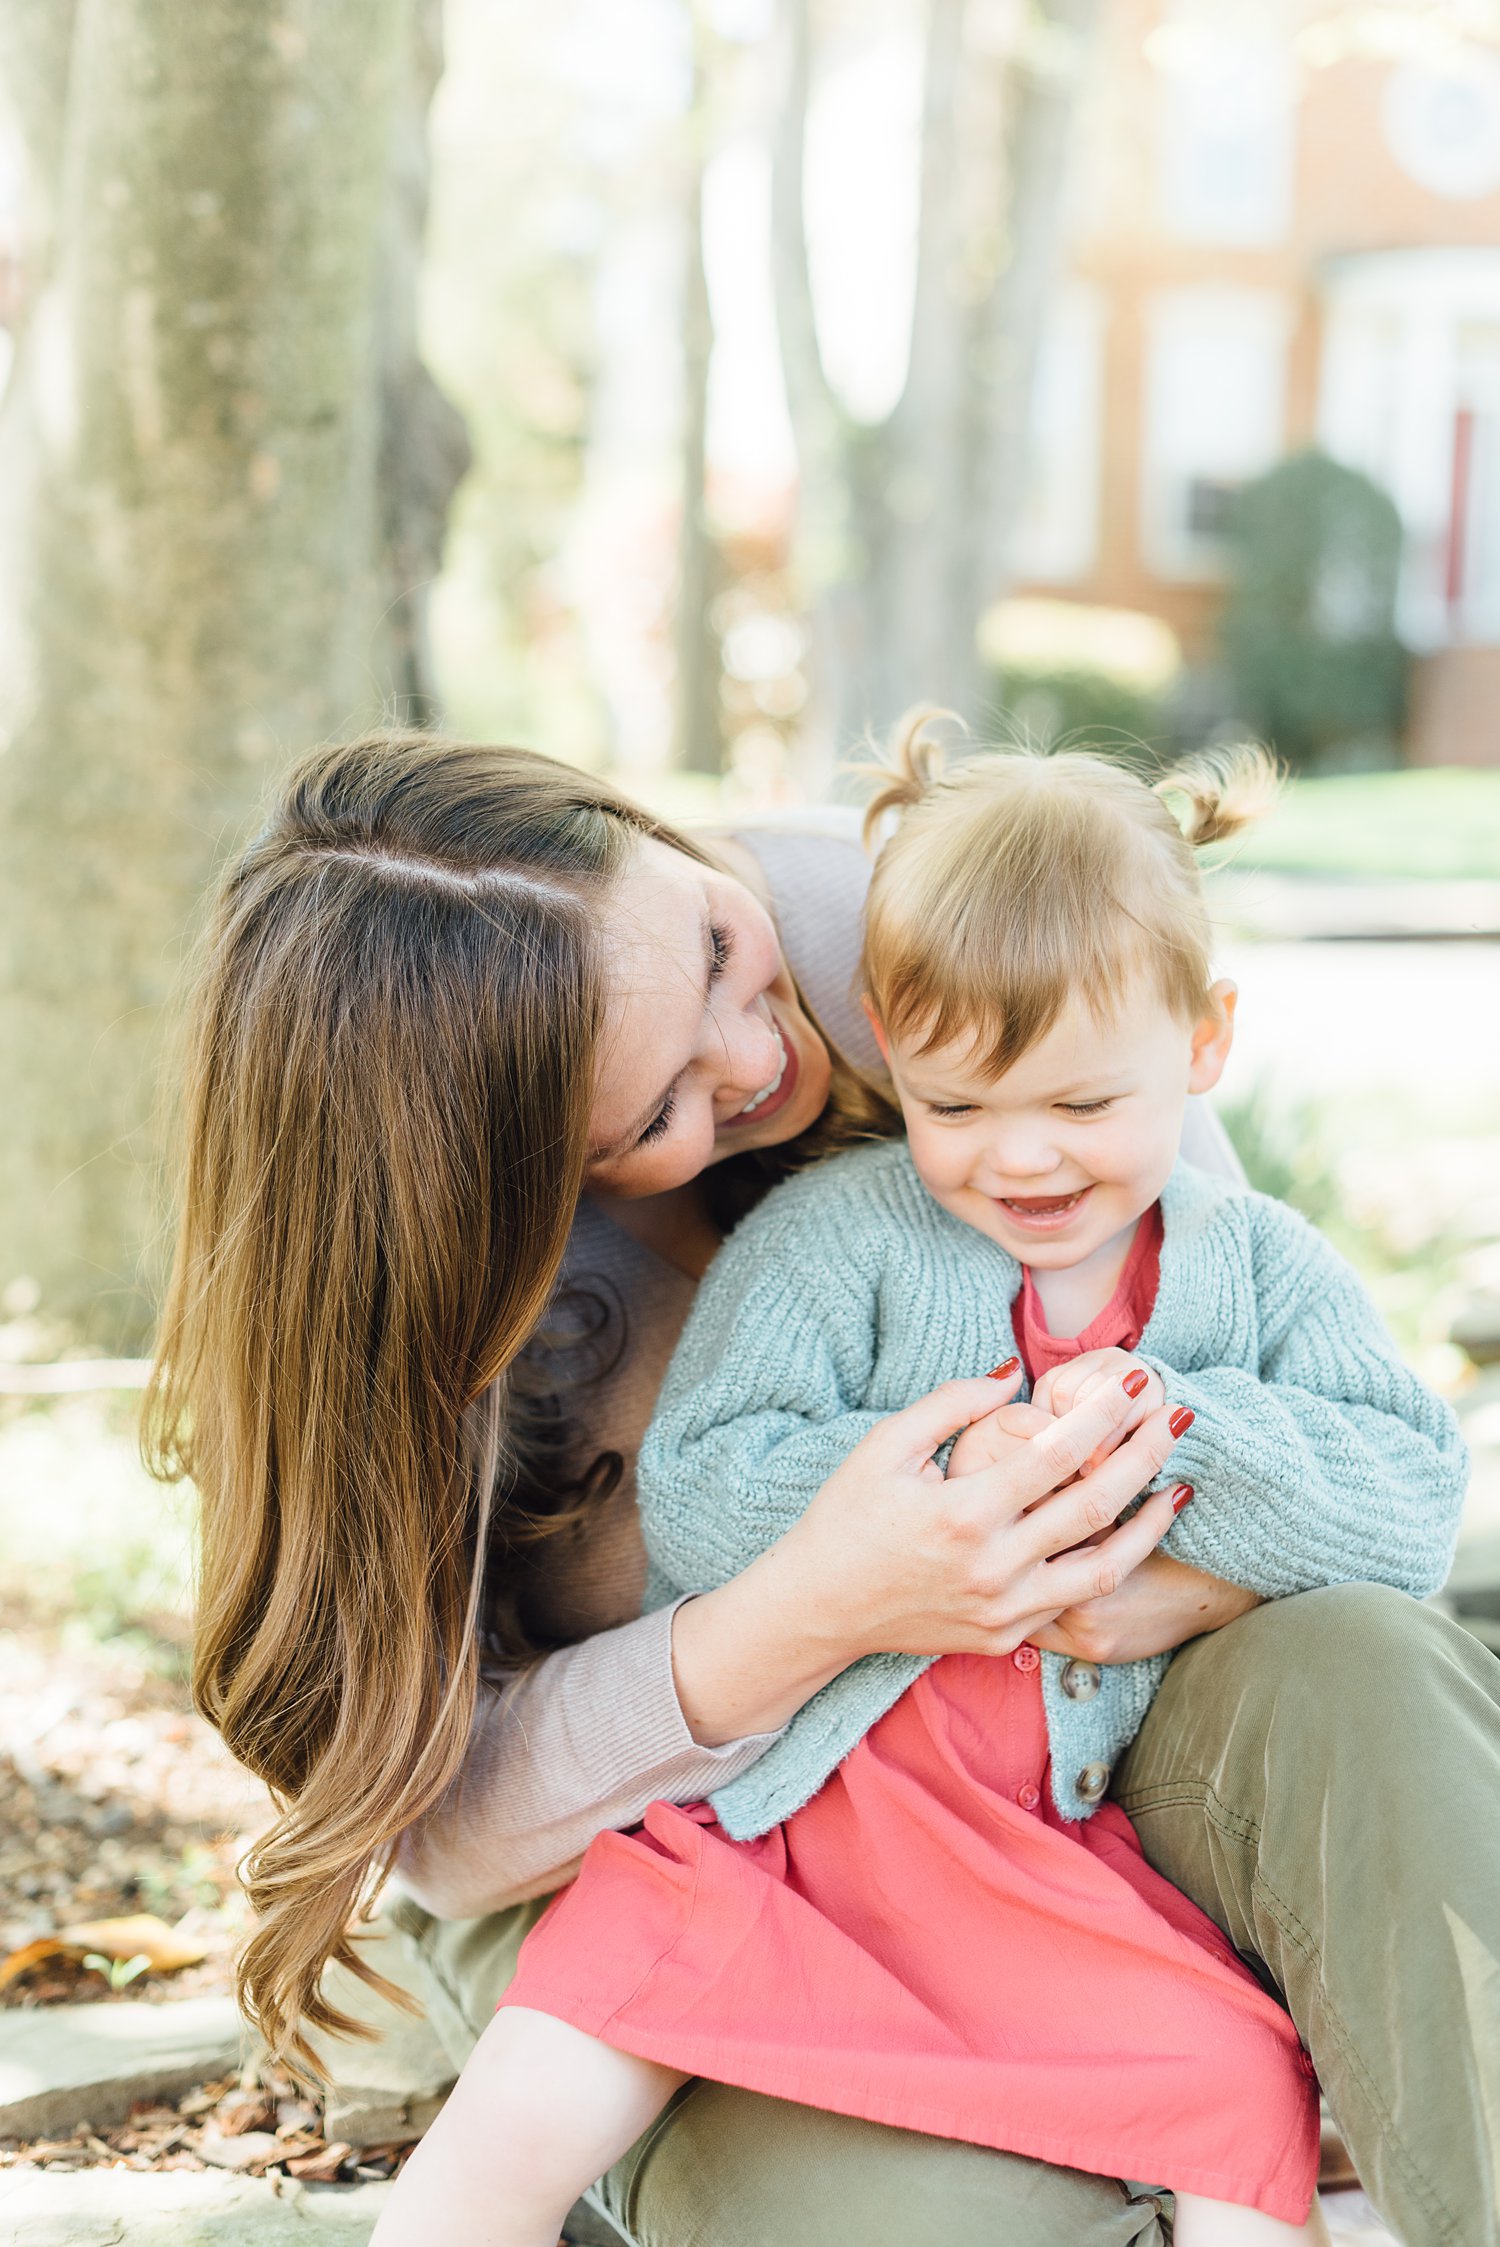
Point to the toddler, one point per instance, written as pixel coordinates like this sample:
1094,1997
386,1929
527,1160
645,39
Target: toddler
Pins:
919,1906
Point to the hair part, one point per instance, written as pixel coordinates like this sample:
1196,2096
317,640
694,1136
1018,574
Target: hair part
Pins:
1016,880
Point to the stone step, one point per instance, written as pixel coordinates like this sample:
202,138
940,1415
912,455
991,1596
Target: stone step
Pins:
181,2208
385,2093
63,2065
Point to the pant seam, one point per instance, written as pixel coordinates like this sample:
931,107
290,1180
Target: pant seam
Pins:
1234,1825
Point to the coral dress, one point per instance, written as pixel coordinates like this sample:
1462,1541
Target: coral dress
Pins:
929,1943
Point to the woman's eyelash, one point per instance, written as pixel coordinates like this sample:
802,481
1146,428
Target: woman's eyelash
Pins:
660,1122
721,945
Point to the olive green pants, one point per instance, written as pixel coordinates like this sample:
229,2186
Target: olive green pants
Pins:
1323,1778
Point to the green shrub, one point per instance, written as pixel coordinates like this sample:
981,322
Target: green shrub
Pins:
1092,707
1308,630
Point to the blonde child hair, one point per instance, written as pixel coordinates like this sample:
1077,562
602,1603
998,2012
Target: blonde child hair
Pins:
1014,878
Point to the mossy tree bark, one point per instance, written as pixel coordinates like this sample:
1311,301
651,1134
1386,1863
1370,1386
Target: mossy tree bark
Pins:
190,548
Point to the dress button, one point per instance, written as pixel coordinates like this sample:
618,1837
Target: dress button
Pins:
1028,1796
1092,1781
1081,1680
1026,1658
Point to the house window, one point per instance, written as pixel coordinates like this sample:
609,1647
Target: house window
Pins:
1215,417
1225,119
1057,537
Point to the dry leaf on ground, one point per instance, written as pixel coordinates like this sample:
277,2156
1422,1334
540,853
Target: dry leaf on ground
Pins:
140,1935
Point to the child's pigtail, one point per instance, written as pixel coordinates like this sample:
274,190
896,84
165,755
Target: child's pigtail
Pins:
908,769
1220,791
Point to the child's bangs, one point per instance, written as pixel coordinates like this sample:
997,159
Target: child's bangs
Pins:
993,975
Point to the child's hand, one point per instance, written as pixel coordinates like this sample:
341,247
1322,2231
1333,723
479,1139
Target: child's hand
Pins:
1066,1385
986,1442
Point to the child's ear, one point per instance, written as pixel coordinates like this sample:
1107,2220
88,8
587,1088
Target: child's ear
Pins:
879,1029
1212,1038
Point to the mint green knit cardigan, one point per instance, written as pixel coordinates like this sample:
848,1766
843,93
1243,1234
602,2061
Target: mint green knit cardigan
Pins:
1316,1457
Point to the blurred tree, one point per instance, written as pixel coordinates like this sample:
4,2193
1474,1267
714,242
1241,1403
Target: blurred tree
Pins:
905,525
699,746
193,541
1308,629
424,439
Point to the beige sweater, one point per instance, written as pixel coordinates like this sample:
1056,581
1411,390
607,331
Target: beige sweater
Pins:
588,1737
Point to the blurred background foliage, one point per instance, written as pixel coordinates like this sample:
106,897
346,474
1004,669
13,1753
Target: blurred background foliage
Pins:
687,386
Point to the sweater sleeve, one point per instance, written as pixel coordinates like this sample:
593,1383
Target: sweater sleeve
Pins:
580,1742
763,1399
1330,1464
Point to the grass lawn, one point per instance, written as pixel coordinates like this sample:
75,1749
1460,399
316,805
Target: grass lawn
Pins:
1437,825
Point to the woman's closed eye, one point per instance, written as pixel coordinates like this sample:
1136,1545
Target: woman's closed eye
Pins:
720,951
661,1122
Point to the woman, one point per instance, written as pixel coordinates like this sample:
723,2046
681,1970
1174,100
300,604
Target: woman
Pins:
484,1060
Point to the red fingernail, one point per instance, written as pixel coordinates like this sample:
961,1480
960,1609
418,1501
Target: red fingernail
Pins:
1181,1420
1136,1380
1182,1496
1003,1372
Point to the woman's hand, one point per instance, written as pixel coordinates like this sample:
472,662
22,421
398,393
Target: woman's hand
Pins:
1160,1605
893,1556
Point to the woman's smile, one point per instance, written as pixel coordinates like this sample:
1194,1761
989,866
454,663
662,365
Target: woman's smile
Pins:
772,1096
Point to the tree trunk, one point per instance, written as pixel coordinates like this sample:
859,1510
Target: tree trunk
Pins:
905,530
424,439
187,575
700,724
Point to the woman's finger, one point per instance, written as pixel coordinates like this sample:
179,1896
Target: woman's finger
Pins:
1064,1449
918,1430
1068,1579
1097,1498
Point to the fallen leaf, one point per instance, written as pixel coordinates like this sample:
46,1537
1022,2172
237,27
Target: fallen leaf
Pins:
320,2168
293,2145
35,1954
240,2111
256,2146
296,2114
142,1935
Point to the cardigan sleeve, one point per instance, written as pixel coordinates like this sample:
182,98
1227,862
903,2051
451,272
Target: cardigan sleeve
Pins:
763,1399
1330,1464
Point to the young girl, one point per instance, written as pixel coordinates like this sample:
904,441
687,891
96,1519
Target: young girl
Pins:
919,1907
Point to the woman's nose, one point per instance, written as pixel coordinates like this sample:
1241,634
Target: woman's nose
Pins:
751,1051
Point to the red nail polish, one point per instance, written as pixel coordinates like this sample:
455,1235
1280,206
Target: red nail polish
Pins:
1182,1496
1181,1420
1003,1372
1136,1380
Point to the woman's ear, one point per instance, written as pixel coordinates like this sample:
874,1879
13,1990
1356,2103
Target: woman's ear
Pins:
1212,1038
878,1028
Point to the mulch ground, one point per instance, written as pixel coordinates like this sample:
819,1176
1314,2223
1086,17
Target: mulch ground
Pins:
258,2124
120,1801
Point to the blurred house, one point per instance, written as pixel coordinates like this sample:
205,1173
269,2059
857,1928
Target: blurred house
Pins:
1280,235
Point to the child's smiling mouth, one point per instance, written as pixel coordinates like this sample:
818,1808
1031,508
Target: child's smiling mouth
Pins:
1044,1213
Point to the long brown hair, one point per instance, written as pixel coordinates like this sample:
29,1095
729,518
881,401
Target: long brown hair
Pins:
390,1067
